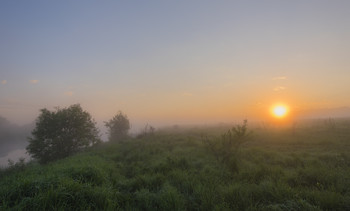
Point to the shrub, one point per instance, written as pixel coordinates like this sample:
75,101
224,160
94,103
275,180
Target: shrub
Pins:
61,133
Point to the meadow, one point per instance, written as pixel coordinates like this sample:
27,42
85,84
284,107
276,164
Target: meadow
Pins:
305,166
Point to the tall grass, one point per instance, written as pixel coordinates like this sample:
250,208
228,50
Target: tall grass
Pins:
172,170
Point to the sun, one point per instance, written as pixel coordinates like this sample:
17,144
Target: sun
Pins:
280,111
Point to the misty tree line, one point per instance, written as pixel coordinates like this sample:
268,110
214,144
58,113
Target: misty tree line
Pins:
64,132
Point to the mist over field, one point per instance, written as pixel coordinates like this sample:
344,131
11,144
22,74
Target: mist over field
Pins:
174,105
13,140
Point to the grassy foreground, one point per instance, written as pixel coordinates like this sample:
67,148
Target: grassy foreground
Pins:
279,169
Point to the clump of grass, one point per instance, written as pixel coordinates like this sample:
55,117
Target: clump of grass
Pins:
226,148
13,167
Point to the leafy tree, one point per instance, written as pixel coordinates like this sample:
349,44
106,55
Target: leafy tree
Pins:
61,133
118,127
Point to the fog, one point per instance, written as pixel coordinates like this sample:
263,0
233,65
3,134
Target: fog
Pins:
14,136
13,140
14,155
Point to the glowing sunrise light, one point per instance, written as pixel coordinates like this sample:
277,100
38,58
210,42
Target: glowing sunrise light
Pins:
280,111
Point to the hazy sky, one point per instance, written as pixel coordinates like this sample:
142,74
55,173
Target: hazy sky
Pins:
173,61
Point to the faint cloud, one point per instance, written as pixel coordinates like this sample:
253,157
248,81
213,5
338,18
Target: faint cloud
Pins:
68,93
34,81
4,82
187,94
279,78
279,88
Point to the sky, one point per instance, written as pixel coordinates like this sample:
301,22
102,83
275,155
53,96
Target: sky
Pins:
173,61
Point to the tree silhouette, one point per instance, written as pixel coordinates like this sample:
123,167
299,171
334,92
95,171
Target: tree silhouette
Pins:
61,133
118,127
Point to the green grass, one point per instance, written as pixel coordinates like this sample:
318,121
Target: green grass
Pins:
174,170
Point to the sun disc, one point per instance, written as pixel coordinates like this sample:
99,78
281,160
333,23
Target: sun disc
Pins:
279,111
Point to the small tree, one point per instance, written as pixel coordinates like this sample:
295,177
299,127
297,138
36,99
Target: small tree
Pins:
118,127
61,133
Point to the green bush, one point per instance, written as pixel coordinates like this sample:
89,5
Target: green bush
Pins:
61,133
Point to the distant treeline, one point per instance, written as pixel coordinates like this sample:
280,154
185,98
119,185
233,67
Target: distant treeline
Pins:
12,136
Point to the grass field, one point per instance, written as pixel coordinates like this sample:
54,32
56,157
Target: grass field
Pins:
304,167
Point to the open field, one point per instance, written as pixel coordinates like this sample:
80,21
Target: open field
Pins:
304,167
